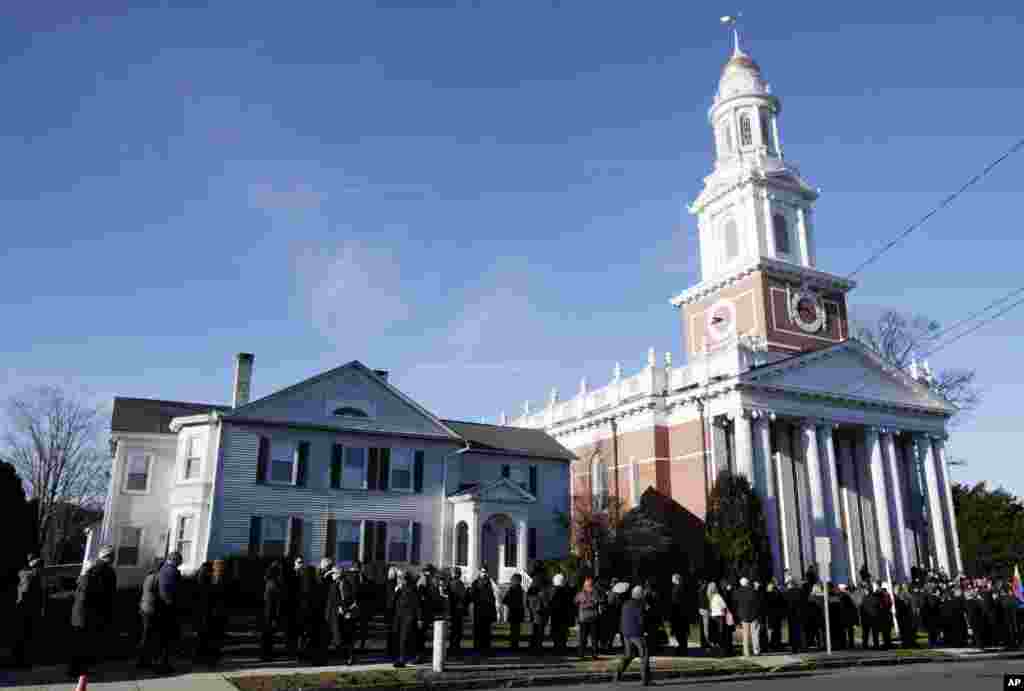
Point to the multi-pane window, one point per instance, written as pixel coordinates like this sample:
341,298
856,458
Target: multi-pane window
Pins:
781,232
399,538
348,540
402,463
183,537
192,458
137,476
746,135
732,240
599,483
128,547
275,536
353,474
282,461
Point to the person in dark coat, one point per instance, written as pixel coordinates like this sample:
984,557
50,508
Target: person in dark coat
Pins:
92,614
168,581
343,602
538,601
885,613
291,595
271,609
681,601
1008,604
775,612
368,596
634,640
904,617
515,604
203,614
311,604
485,611
870,613
390,592
562,614
430,606
407,615
848,617
28,610
747,612
149,611
458,601
612,615
795,604
325,623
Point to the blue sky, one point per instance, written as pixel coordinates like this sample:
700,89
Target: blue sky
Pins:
486,198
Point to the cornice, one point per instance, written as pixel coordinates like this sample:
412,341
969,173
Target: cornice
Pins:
772,267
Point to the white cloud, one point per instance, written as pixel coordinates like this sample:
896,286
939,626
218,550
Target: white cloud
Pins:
351,285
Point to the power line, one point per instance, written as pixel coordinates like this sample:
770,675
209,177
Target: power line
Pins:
943,204
971,317
977,326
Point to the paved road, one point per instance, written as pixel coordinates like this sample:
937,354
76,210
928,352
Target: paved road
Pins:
961,676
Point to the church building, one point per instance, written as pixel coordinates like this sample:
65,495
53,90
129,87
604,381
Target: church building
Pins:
837,443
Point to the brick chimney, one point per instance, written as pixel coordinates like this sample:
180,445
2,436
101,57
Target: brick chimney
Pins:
243,379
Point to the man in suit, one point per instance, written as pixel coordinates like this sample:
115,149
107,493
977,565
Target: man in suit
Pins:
457,604
515,605
407,615
485,611
679,618
748,612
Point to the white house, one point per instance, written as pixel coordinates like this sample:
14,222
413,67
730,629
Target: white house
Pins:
342,465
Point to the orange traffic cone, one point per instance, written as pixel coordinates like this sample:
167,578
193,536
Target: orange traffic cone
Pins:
83,683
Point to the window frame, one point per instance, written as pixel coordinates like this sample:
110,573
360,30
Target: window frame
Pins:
294,446
192,540
186,458
150,459
764,122
462,543
746,129
600,496
358,526
120,544
392,530
264,523
396,452
365,481
778,216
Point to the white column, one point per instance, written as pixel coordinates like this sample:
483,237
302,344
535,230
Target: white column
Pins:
895,496
769,228
474,542
827,455
809,439
744,450
778,140
873,451
770,493
780,488
846,463
936,523
521,535
953,537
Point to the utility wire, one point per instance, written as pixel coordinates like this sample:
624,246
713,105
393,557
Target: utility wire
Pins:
943,204
938,335
974,328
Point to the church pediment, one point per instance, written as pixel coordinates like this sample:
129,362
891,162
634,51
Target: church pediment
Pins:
851,371
503,491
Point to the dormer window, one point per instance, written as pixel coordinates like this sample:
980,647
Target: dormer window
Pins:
349,411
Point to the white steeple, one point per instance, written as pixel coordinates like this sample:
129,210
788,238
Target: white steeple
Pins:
754,203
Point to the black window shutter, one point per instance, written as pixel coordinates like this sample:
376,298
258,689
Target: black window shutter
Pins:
385,468
380,541
262,459
255,527
531,543
373,469
417,474
336,458
303,461
506,470
533,480
417,529
295,537
331,542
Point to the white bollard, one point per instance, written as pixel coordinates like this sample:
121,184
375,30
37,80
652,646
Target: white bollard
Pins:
440,641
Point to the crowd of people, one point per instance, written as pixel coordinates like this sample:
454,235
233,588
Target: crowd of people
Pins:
323,613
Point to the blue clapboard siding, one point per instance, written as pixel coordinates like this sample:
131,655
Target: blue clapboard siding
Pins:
239,496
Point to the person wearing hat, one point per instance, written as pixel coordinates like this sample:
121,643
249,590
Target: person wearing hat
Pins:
562,611
407,614
92,614
168,581
28,609
634,643
485,611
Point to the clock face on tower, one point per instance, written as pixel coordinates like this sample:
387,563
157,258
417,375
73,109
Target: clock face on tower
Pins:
720,321
806,311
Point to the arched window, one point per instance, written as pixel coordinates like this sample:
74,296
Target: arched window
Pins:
462,544
349,411
781,234
599,484
767,135
746,137
732,240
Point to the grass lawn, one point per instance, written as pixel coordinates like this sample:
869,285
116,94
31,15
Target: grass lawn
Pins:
328,680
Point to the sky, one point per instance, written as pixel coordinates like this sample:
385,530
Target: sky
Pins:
488,199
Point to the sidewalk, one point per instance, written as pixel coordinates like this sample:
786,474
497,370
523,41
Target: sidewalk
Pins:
469,673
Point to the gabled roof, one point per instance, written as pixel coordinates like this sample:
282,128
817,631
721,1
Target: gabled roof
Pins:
848,370
501,490
151,416
519,441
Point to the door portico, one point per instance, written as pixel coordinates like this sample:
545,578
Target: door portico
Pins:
490,524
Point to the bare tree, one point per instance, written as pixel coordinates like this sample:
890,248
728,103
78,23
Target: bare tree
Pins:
900,338
53,439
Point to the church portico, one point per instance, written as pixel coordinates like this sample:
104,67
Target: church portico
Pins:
491,530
